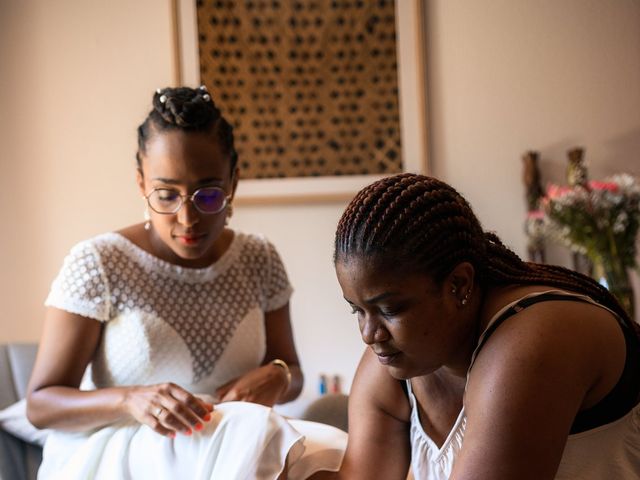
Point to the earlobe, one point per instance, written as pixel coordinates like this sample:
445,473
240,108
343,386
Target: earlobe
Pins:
461,281
466,298
140,181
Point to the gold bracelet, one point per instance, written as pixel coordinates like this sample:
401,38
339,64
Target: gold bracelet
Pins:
282,364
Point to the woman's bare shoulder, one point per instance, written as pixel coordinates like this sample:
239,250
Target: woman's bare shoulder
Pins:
134,233
374,385
554,339
534,373
378,425
137,235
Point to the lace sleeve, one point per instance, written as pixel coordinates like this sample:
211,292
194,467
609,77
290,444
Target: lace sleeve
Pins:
277,289
81,285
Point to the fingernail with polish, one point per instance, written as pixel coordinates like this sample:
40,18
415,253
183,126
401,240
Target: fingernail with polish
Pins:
207,417
187,432
198,427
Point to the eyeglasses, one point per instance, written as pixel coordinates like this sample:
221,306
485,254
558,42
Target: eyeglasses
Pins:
168,201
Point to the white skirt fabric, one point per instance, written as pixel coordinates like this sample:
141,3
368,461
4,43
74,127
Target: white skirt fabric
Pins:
243,441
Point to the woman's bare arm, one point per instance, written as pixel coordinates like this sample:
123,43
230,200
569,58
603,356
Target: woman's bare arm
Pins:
530,380
379,412
268,384
280,345
67,346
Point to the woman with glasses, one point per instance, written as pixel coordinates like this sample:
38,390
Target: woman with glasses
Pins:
479,365
174,317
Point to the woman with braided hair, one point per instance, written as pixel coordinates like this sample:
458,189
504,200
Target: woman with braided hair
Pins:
183,324
480,366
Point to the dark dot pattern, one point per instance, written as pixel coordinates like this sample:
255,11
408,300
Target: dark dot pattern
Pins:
310,86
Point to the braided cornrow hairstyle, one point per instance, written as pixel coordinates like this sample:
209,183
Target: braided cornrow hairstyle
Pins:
425,225
190,110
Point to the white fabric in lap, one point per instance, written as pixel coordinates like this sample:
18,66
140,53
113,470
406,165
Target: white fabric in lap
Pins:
13,419
242,441
324,448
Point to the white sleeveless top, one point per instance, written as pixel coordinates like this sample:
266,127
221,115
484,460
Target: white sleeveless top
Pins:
611,451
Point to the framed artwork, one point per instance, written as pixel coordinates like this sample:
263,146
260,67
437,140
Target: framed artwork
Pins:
325,96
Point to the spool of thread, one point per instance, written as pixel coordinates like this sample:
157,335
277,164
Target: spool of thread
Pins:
336,384
322,386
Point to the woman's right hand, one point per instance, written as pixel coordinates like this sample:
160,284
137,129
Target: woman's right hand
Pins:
167,408
55,401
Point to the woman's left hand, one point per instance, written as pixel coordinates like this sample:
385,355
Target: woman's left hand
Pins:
264,385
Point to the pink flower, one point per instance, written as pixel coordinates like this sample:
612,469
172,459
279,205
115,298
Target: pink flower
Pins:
596,185
535,215
556,191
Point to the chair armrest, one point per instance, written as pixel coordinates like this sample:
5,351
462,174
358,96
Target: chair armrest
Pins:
12,457
331,409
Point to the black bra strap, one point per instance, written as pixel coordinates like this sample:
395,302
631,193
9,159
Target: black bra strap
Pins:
521,305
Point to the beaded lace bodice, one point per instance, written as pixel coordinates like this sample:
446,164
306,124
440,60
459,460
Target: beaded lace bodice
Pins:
162,322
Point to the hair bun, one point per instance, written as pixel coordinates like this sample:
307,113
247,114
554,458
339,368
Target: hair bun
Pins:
185,107
189,110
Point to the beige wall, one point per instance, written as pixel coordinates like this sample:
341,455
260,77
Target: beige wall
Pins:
77,77
505,76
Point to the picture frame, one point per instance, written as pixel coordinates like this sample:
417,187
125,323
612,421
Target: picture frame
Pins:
412,92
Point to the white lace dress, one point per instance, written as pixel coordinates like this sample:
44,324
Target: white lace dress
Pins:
198,328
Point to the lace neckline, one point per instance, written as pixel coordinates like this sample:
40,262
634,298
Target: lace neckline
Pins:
154,263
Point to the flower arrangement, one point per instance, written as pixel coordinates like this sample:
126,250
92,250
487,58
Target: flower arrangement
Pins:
600,219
